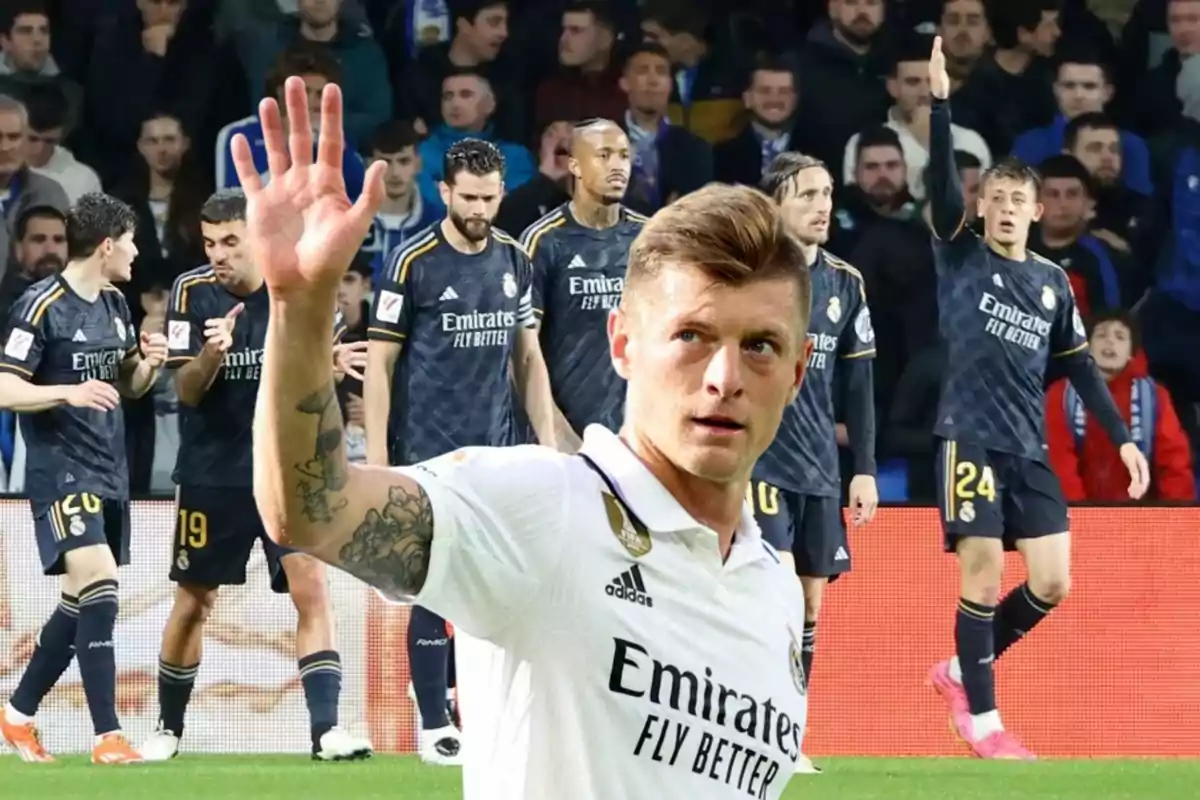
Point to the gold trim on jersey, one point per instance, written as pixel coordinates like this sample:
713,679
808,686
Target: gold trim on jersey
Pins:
949,465
37,309
397,336
184,284
534,233
410,252
845,266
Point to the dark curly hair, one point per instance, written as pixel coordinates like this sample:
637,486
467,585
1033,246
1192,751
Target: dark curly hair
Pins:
473,156
226,205
94,218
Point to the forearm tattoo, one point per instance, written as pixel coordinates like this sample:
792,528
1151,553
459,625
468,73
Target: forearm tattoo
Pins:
325,474
390,548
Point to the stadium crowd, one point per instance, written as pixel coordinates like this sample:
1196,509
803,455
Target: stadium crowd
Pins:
143,97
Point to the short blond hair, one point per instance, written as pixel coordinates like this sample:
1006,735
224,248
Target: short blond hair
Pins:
735,234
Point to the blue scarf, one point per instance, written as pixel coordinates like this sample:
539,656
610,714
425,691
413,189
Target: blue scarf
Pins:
1143,414
772,147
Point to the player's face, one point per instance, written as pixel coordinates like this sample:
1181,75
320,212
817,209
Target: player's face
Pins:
1111,346
1066,205
709,368
42,250
647,81
601,163
225,245
402,167
119,254
472,202
1008,207
771,97
1099,149
29,43
964,29
807,204
881,174
1081,89
162,144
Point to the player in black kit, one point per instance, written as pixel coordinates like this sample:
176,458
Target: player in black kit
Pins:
578,252
796,491
216,322
70,353
452,320
1004,312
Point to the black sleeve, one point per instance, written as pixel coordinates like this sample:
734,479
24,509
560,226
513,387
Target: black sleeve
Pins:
913,412
1093,391
859,392
942,185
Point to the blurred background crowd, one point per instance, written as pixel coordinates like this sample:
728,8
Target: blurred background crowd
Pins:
142,98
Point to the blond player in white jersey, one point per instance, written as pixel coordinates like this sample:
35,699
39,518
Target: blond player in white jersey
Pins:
628,588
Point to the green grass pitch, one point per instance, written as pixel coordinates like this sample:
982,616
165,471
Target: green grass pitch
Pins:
397,778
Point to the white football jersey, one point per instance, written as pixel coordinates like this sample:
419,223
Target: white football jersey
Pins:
629,661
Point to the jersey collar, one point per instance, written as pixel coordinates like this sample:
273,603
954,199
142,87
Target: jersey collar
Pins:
637,487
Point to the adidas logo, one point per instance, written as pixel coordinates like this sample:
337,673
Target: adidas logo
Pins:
577,263
449,294
629,586
78,337
841,555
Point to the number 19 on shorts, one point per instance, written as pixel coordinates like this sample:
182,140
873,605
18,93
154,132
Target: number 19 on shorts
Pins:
193,529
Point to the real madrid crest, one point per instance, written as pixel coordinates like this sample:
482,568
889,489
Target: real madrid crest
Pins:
633,537
834,309
119,324
510,285
181,561
1048,298
796,665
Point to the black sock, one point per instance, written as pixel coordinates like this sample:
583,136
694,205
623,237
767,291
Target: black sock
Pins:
174,690
808,644
51,656
95,650
973,638
321,676
428,661
1017,615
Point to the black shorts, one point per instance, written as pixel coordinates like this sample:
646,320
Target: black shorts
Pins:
80,520
809,527
996,495
215,530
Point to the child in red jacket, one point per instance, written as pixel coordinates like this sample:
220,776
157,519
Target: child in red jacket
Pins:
1085,461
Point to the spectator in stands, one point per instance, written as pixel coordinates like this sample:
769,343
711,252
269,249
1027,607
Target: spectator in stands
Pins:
152,420
1083,85
468,103
166,190
550,188
20,188
878,191
1096,273
705,95
39,250
841,77
47,128
480,31
354,303
162,59
1158,105
366,92
1096,141
970,172
770,101
317,67
1081,454
586,85
668,161
403,212
908,85
26,61
963,26
1010,89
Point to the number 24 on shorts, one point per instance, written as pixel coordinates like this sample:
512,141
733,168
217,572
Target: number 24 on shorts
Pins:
971,483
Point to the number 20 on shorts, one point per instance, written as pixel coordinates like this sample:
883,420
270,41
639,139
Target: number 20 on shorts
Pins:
193,529
971,483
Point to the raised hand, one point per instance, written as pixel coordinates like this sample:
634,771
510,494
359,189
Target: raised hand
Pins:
218,331
96,395
154,349
939,79
350,359
302,229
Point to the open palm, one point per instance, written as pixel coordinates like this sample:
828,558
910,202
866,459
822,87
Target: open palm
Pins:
303,230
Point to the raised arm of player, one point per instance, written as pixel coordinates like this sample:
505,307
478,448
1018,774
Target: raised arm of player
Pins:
1069,344
19,361
376,523
943,186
